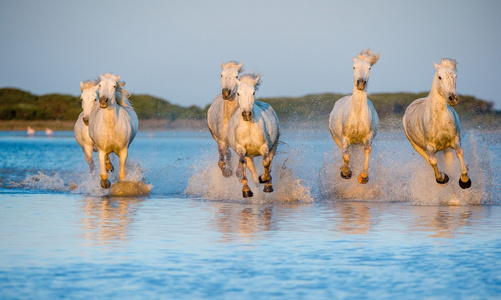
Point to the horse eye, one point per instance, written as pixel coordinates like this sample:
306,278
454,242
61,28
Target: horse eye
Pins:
440,78
238,94
253,93
221,75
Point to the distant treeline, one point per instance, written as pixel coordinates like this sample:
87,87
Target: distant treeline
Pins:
16,104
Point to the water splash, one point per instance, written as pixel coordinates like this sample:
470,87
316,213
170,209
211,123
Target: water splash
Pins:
207,182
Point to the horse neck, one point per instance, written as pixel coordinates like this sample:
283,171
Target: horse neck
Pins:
110,116
436,102
229,106
359,102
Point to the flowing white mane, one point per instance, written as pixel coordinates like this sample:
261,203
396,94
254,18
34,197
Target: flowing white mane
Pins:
233,64
368,56
448,63
88,84
254,79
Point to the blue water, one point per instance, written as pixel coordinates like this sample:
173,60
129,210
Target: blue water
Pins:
316,236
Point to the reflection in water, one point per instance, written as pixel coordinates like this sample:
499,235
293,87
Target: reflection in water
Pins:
107,220
242,221
444,221
354,217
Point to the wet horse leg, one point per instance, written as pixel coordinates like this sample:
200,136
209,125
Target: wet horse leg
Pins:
345,169
123,158
105,183
88,157
109,166
464,180
266,178
222,163
441,178
246,191
364,176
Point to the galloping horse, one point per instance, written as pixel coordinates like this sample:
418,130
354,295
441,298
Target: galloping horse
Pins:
353,119
432,125
253,130
222,108
113,125
88,98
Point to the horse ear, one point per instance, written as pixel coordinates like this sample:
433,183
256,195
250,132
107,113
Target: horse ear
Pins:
239,66
81,86
354,59
377,58
436,66
121,83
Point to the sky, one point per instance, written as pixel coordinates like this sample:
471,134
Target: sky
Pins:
174,49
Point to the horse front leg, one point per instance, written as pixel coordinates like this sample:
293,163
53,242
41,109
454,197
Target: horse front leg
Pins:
88,157
464,180
105,183
345,169
441,178
363,177
109,165
222,163
123,158
266,178
246,191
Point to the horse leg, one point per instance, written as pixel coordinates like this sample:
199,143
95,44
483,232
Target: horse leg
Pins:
266,178
88,156
227,158
464,180
252,168
123,158
222,148
109,165
345,169
441,178
246,191
364,176
105,183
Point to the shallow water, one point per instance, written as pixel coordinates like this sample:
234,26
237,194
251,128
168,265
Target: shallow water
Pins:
316,236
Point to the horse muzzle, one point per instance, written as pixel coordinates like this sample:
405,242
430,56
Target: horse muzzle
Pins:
226,93
361,83
103,102
246,115
453,99
86,121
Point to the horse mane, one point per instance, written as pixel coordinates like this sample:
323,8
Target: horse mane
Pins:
87,84
368,56
448,63
122,95
254,79
233,64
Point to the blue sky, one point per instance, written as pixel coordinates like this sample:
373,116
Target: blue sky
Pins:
174,49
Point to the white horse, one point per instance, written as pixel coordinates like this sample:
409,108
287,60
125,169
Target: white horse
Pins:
431,125
353,119
253,130
113,124
222,108
88,98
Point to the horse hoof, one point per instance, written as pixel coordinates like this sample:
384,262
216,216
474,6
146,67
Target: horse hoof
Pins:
443,181
105,184
263,181
464,185
346,176
110,170
268,189
227,173
363,180
247,194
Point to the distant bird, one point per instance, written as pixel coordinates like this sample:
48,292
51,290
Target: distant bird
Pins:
49,131
30,131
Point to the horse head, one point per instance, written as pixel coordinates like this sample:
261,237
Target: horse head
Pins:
445,80
247,86
88,98
361,66
110,90
229,77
